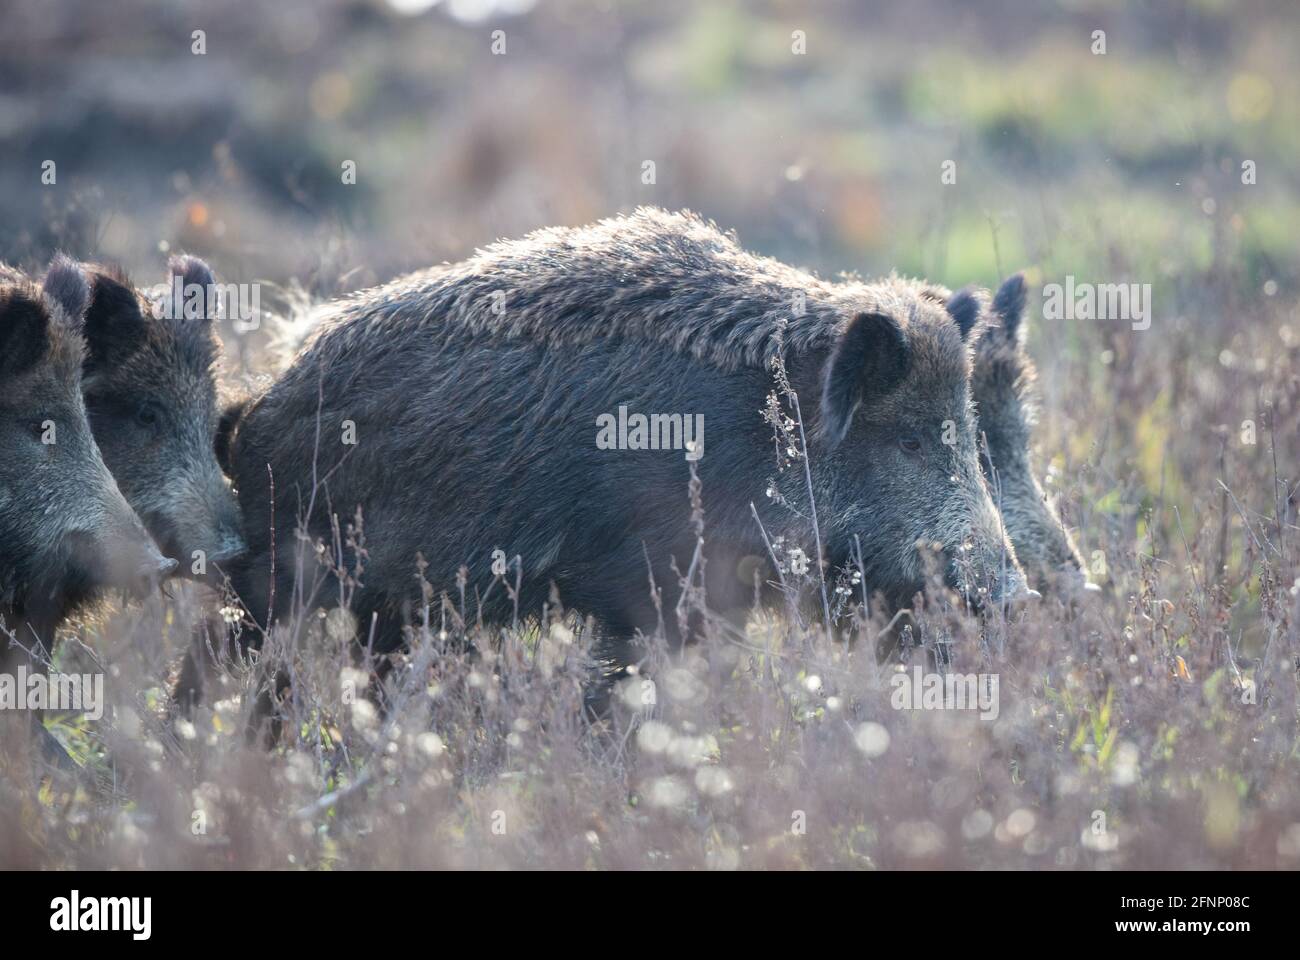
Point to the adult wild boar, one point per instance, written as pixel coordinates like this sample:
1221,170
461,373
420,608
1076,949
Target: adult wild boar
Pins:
1006,409
66,533
151,394
466,410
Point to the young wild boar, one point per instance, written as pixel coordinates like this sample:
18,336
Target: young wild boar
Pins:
66,533
150,388
471,409
1002,386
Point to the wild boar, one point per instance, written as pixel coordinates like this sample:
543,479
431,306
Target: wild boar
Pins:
66,532
1002,384
485,410
151,394
1006,409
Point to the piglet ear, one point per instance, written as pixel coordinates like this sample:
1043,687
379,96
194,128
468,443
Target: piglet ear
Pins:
67,288
965,308
25,335
1009,305
869,359
192,296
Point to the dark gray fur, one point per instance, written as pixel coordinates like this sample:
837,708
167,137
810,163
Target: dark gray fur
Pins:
1002,385
66,283
66,533
150,386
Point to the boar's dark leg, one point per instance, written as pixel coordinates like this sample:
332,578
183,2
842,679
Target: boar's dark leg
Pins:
198,670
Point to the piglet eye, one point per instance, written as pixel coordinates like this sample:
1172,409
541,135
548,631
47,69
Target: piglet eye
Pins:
910,444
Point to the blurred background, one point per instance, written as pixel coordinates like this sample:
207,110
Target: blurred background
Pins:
1066,161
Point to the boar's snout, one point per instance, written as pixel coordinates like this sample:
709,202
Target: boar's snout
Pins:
231,548
1074,580
217,547
158,568
1072,576
988,581
985,570
198,520
151,573
146,570
1013,590
121,556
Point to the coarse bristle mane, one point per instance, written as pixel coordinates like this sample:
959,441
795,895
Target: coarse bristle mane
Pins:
644,269
1000,361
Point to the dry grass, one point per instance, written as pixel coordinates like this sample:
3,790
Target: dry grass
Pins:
1164,709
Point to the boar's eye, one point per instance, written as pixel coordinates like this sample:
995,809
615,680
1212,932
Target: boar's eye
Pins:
147,415
910,443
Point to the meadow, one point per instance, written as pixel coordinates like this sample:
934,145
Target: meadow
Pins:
1154,725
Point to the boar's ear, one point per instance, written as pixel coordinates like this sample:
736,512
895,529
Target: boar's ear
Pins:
24,331
1009,305
66,286
870,358
192,272
115,327
965,307
226,426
